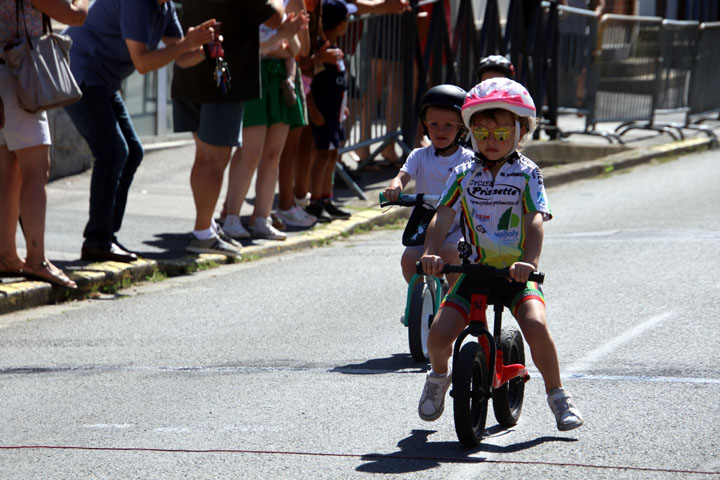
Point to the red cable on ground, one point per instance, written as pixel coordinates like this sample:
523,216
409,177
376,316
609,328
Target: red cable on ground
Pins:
370,456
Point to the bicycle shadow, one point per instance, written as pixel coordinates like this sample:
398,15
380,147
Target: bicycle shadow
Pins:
417,454
398,362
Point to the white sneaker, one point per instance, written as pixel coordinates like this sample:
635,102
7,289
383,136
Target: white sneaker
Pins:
303,202
566,413
263,228
212,245
227,238
432,402
234,227
296,217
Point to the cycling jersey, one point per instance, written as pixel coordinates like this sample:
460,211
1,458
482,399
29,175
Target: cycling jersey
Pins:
492,210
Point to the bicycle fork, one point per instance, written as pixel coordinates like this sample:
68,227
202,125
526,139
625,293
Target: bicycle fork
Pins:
478,327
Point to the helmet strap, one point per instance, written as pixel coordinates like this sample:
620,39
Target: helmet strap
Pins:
493,163
460,134
517,134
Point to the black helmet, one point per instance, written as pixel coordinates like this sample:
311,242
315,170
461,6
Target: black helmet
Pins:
495,62
447,96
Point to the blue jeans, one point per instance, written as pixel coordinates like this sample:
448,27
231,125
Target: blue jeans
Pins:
102,119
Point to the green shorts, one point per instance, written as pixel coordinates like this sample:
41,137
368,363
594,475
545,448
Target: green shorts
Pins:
511,294
270,108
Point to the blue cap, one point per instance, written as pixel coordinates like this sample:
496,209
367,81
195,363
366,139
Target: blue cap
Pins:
335,11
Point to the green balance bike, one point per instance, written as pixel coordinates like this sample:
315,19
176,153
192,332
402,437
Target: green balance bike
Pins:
425,292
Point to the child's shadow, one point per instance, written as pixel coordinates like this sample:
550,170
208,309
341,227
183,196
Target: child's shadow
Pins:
417,454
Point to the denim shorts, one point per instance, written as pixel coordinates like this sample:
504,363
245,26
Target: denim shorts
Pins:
218,124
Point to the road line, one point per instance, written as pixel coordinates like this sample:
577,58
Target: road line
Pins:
586,362
643,378
367,457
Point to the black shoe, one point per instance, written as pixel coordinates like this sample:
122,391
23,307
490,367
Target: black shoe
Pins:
117,243
317,210
112,253
335,212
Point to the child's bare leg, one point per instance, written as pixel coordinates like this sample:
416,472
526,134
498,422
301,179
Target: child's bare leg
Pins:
407,261
531,318
449,254
444,330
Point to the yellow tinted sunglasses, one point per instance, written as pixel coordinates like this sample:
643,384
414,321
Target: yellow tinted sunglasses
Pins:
500,134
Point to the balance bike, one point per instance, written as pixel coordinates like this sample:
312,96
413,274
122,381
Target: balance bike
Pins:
425,292
493,366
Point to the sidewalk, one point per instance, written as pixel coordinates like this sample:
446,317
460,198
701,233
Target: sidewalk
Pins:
160,212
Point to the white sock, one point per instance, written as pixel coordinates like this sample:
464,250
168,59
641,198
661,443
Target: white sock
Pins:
214,226
435,374
204,234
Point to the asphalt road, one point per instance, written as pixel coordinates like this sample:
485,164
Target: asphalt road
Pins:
297,366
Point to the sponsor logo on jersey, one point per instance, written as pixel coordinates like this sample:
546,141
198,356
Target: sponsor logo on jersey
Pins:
484,192
508,220
540,200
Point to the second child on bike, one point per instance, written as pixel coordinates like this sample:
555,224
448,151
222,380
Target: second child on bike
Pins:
502,202
431,166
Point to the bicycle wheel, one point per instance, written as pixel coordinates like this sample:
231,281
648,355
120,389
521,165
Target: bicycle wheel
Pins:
508,399
420,316
470,382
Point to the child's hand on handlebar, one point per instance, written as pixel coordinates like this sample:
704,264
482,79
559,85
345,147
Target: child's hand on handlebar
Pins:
392,193
432,264
520,271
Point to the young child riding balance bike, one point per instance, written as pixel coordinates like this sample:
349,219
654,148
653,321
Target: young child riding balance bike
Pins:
502,203
430,166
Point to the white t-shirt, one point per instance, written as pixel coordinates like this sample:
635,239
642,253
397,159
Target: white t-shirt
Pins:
431,172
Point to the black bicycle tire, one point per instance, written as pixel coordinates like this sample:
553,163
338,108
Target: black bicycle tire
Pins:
508,399
470,383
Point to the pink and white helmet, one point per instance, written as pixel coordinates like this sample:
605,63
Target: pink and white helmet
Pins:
498,93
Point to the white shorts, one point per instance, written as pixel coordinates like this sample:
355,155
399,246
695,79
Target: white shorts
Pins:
22,129
453,237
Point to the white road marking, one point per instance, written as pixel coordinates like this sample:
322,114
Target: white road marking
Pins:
644,378
586,362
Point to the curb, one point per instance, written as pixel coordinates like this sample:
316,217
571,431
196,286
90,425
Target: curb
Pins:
108,277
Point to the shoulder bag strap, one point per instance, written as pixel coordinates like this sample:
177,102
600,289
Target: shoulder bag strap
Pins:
20,5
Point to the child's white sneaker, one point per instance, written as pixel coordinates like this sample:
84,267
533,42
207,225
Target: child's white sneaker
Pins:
263,228
233,227
432,402
566,413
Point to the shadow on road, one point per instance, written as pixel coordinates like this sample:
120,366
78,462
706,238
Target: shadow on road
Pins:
416,454
396,363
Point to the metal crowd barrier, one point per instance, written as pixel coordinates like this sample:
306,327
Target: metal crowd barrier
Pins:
627,66
372,48
678,47
641,67
704,95
576,70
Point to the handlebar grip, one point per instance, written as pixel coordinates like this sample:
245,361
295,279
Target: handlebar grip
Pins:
538,277
383,200
419,268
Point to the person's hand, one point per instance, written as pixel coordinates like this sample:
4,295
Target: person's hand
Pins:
520,271
201,34
325,54
392,193
292,24
432,264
